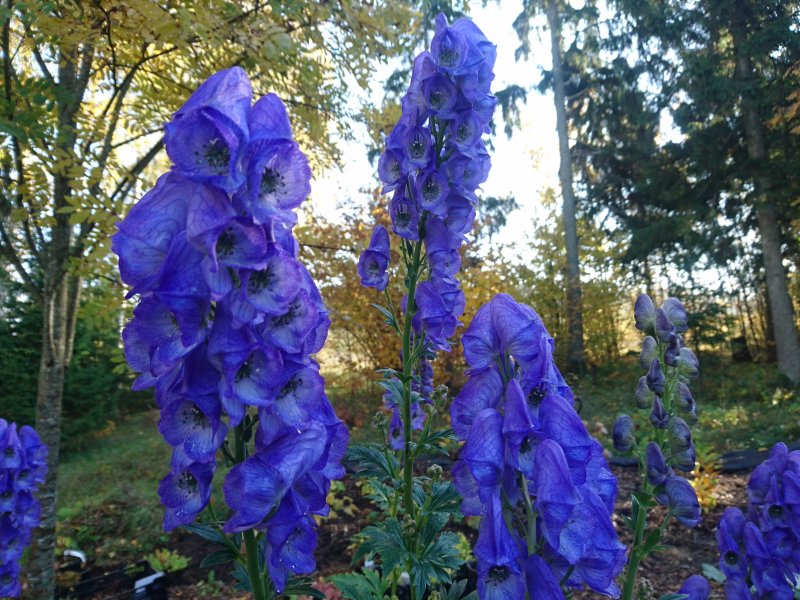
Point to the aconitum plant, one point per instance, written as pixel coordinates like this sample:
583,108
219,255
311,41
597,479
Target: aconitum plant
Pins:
760,549
666,445
528,467
225,328
432,165
23,466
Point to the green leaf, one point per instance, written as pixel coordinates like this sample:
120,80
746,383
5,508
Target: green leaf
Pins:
436,561
361,586
370,460
713,573
386,540
218,557
302,586
390,320
208,532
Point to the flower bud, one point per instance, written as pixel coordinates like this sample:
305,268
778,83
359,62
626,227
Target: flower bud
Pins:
657,469
672,351
644,397
434,472
683,397
644,312
680,436
685,459
624,436
676,313
688,365
682,500
658,416
664,329
696,587
655,377
648,353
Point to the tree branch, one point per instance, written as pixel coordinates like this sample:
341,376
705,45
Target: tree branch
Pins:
8,251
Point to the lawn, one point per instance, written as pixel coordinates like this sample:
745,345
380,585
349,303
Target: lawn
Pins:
109,507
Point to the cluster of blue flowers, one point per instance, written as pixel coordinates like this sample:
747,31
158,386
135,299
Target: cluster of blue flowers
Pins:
228,320
760,550
23,466
433,163
664,391
526,446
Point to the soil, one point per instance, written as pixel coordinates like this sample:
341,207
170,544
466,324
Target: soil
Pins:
666,571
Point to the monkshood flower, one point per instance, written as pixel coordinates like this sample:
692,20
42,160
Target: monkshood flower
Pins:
760,550
524,443
433,163
664,392
23,466
228,321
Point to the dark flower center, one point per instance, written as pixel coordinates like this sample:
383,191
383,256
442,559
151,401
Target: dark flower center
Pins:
195,416
6,495
463,132
287,318
373,268
499,574
403,217
527,445
9,451
290,388
437,99
417,149
218,156
536,396
226,243
731,557
271,180
244,371
187,483
776,511
431,191
24,474
448,56
394,169
260,280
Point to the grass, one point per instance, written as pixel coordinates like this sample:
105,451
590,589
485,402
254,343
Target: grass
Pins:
109,506
740,405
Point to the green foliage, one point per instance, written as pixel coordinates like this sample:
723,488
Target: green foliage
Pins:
96,393
168,561
362,586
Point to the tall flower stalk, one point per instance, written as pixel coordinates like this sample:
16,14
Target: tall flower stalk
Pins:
23,466
432,165
225,329
528,467
666,445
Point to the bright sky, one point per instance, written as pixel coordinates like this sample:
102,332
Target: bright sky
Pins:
523,166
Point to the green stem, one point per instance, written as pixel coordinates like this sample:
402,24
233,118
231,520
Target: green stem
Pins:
530,515
408,366
408,371
253,566
250,543
633,563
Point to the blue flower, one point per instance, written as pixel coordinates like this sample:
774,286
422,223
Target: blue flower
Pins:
207,134
23,466
696,587
228,319
374,261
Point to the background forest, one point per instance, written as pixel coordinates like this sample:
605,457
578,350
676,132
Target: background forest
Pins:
679,174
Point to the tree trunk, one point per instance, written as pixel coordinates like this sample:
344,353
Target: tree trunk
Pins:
576,361
787,345
59,312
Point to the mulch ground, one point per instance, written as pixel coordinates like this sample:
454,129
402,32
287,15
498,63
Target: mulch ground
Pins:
666,571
